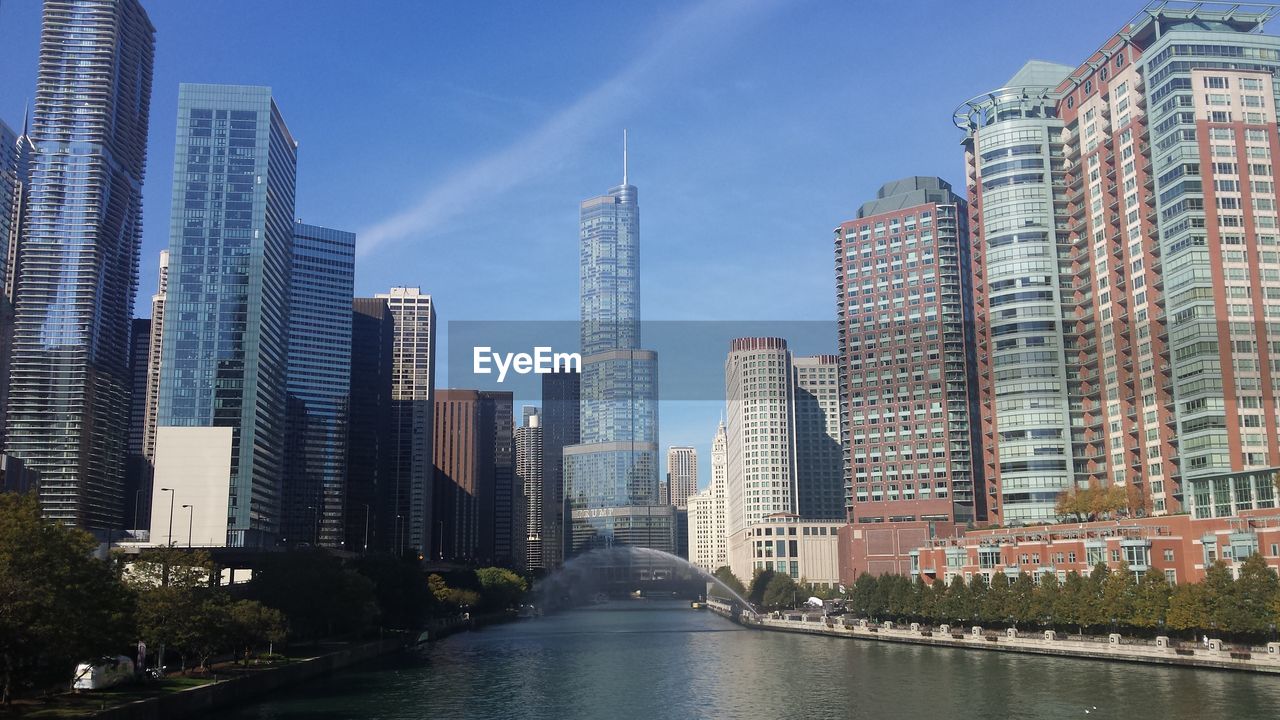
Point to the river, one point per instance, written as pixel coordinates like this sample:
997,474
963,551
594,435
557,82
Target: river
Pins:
662,660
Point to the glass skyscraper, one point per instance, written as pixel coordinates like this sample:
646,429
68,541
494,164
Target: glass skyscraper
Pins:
319,380
611,476
226,327
69,385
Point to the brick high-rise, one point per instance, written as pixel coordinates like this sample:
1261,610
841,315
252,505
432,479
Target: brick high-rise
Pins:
1127,266
906,357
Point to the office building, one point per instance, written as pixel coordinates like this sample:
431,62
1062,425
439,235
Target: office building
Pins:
371,444
508,511
682,475
708,548
611,476
805,550
528,441
820,489
560,428
68,408
15,166
137,485
226,326
321,284
469,465
413,383
907,357
760,461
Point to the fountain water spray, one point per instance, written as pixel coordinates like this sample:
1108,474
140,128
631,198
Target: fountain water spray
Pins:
585,568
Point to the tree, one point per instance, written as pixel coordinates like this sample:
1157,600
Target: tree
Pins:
1110,500
1045,599
1021,605
1151,601
958,605
1221,598
726,577
177,607
994,606
251,623
1074,601
1073,502
780,592
759,582
500,588
1188,608
58,604
1118,593
317,593
864,597
400,589
1256,591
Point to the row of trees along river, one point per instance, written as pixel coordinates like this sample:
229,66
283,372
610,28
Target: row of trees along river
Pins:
1243,609
59,605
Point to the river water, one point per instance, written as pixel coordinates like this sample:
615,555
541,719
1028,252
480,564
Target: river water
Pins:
648,660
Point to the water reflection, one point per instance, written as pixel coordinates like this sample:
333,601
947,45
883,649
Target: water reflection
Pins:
662,660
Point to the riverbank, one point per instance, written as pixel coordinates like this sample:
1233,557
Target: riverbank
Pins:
1114,647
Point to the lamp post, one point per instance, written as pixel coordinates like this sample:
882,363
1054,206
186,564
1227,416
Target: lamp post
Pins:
366,527
191,516
171,496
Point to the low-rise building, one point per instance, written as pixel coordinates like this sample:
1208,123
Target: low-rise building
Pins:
807,550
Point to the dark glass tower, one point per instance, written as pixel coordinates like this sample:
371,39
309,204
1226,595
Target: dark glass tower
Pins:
322,282
611,476
370,481
69,384
226,328
560,428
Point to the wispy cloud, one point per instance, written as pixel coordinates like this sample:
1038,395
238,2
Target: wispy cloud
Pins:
539,149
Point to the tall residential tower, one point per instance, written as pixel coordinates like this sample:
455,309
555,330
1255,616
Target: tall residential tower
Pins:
68,412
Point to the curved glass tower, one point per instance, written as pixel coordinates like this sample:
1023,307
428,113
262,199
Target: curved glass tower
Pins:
611,476
69,390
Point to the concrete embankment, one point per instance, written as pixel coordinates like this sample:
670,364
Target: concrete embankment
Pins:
1114,647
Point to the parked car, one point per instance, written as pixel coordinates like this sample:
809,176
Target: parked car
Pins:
106,672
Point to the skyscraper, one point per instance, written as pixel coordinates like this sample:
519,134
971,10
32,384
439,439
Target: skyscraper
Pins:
469,464
137,476
507,511
529,478
154,350
708,540
226,327
760,457
682,474
907,357
15,168
611,476
413,383
322,281
371,444
1152,235
68,408
560,428
819,452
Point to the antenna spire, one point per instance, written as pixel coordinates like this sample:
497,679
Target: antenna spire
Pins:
624,156
26,117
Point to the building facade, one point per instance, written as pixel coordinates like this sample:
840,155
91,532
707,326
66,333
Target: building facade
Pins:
470,427
528,441
1133,197
322,281
68,409
611,476
820,488
708,541
413,382
907,362
682,474
137,482
560,428
371,444
226,327
760,459
805,550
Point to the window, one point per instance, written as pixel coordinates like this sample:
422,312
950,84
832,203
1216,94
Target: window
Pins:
1168,555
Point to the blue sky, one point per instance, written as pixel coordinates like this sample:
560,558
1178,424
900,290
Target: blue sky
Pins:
457,138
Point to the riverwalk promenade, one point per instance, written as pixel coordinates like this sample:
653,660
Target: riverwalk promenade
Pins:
1163,651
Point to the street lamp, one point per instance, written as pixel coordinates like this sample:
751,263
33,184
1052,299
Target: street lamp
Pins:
191,516
171,496
366,527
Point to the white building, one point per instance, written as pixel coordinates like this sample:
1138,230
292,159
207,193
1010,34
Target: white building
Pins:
807,550
708,547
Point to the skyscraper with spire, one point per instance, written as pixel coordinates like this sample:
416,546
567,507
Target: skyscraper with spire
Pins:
611,475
